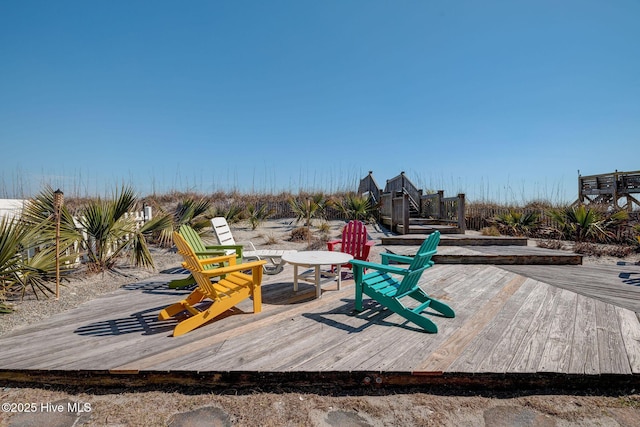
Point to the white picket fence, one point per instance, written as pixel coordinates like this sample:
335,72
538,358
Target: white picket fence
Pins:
11,208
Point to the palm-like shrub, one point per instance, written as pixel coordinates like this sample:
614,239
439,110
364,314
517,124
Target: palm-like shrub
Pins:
257,215
11,235
18,272
104,229
232,213
517,223
188,211
582,223
357,207
109,231
309,208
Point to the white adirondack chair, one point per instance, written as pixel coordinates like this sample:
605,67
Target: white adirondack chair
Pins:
274,256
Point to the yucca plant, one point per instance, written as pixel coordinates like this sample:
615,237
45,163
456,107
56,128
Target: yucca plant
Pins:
187,211
11,235
309,208
18,272
232,213
111,232
257,215
582,223
103,228
357,207
517,223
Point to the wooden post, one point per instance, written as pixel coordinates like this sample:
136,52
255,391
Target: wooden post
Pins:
580,193
462,225
405,213
309,223
615,190
393,211
58,199
440,204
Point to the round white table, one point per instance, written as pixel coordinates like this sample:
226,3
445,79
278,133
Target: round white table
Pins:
316,259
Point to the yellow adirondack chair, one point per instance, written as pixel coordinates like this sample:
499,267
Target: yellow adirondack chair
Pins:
226,293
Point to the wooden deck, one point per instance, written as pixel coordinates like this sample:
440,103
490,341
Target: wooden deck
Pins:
517,326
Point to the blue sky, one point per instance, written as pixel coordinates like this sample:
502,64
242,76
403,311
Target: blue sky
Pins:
501,100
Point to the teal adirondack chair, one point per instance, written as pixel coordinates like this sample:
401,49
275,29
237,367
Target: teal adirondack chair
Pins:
203,251
381,285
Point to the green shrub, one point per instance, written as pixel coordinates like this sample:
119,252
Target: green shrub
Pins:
582,223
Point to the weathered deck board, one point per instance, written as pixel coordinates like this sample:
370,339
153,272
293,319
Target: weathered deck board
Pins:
611,350
504,346
556,355
630,327
527,356
584,352
615,284
447,354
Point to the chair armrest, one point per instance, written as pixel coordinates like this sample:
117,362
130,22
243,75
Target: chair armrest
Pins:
379,267
332,243
231,259
386,257
222,248
233,268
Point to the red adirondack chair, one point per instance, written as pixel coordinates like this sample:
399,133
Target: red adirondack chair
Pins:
354,242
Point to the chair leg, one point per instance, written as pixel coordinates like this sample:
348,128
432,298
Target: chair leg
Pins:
439,306
357,276
399,308
256,291
420,320
358,300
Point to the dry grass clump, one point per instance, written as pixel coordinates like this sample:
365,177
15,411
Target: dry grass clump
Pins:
270,239
551,244
324,228
300,234
490,231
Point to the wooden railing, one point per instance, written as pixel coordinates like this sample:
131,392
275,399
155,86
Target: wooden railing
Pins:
402,184
609,188
395,209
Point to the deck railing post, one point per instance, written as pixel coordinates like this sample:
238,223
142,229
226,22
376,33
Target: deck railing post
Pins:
440,205
393,211
405,213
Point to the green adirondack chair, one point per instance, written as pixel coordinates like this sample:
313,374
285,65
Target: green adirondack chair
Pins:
381,285
203,251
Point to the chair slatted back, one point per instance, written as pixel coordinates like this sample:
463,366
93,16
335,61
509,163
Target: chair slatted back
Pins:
192,264
420,262
354,238
192,237
222,231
